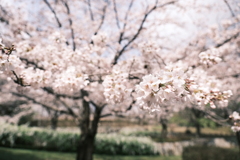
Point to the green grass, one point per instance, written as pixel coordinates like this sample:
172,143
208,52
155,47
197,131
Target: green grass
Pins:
23,154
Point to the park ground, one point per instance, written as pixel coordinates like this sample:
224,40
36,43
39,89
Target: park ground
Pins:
23,154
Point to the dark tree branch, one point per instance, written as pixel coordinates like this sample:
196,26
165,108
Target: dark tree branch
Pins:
50,91
18,80
125,22
139,30
133,77
227,40
90,9
70,24
236,75
69,109
28,62
36,102
116,14
102,19
111,114
230,8
2,19
53,11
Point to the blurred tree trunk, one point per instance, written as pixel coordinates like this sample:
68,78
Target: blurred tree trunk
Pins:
198,128
54,121
197,115
238,139
88,131
164,131
54,118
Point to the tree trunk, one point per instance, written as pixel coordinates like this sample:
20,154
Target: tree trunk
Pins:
54,121
88,131
198,128
164,128
238,139
197,115
86,147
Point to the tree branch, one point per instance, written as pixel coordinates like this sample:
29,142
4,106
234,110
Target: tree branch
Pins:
36,102
32,63
70,24
70,111
50,91
139,30
90,10
227,40
18,80
116,14
229,7
102,19
53,11
125,22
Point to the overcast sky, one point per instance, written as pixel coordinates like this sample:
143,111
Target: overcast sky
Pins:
192,21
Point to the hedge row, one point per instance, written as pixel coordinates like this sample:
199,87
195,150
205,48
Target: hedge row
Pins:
209,153
45,139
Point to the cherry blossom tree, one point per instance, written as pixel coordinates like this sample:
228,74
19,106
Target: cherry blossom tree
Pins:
91,59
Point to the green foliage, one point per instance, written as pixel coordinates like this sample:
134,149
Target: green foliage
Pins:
23,154
26,119
179,120
36,138
183,119
116,144
209,153
157,137
204,122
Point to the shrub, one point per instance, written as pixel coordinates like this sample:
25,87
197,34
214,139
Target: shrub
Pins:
209,153
118,144
37,138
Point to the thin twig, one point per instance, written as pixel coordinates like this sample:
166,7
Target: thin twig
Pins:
90,10
50,91
102,19
36,102
230,8
161,59
31,63
116,13
70,24
125,22
53,11
130,68
139,30
68,108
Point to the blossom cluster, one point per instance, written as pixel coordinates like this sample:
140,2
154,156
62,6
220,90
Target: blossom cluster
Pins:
236,119
115,87
35,78
57,37
165,88
9,63
99,43
148,49
70,81
205,89
46,70
178,86
210,57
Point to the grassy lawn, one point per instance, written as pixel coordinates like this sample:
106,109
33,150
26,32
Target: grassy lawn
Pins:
22,154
